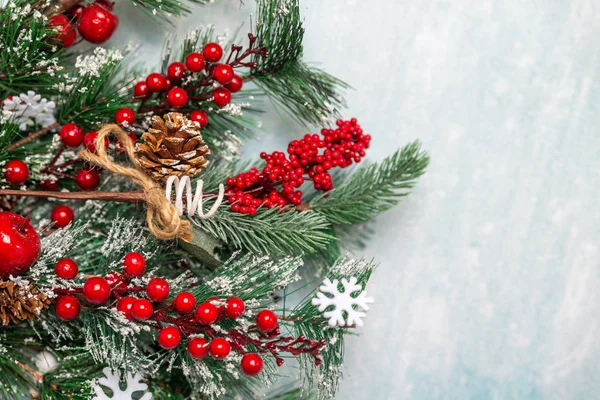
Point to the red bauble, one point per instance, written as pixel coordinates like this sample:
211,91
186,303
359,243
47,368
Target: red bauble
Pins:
48,184
125,305
20,245
71,135
252,364
184,303
142,309
206,313
212,52
134,264
266,320
62,216
66,268
177,97
89,141
66,32
198,348
221,97
219,348
155,82
175,71
16,172
87,179
195,62
200,117
234,307
223,73
96,290
67,308
125,114
140,89
97,24
236,84
157,290
169,337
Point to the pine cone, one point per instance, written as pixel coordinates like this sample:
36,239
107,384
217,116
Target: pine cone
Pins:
173,146
20,302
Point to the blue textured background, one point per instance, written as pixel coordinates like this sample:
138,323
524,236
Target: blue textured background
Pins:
489,284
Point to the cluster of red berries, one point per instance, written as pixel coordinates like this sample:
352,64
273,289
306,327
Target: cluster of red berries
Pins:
276,185
95,22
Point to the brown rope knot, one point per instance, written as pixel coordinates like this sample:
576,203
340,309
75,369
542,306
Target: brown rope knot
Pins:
163,219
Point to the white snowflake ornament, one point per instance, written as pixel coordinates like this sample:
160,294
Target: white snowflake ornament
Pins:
342,302
29,109
134,384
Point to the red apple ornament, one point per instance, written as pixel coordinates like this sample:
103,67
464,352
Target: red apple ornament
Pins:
20,244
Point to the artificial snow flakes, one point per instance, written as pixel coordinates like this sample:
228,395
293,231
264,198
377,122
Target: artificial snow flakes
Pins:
343,302
29,109
111,381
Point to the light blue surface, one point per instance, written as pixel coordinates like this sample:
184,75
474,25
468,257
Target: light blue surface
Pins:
489,284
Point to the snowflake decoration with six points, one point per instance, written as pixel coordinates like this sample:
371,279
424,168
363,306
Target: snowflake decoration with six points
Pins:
343,302
134,384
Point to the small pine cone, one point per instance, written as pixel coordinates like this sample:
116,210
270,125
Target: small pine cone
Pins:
173,146
20,302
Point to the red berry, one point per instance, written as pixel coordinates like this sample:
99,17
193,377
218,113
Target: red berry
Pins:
77,11
20,244
62,216
223,73
155,82
167,84
125,114
89,141
87,179
252,364
175,71
195,62
206,313
266,320
200,117
212,52
169,337
234,307
66,268
97,24
142,309
66,32
71,135
236,84
184,303
221,97
198,348
157,290
134,264
96,290
48,184
67,308
16,172
219,348
177,97
120,147
140,89
125,305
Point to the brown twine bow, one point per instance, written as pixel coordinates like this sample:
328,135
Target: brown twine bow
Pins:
163,219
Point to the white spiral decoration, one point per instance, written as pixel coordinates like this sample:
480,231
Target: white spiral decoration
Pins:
194,203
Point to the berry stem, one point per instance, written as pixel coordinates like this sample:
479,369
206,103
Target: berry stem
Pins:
33,136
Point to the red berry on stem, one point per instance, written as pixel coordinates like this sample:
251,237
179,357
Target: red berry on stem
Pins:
89,141
200,117
140,89
133,138
234,307
175,71
223,73
134,264
66,31
77,11
125,114
16,172
167,84
20,245
142,309
96,290
236,84
97,24
157,290
198,348
212,52
266,320
219,348
184,303
71,135
87,179
67,308
48,184
155,82
169,337
252,364
66,268
207,313
62,216
177,97
195,62
221,97
125,305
